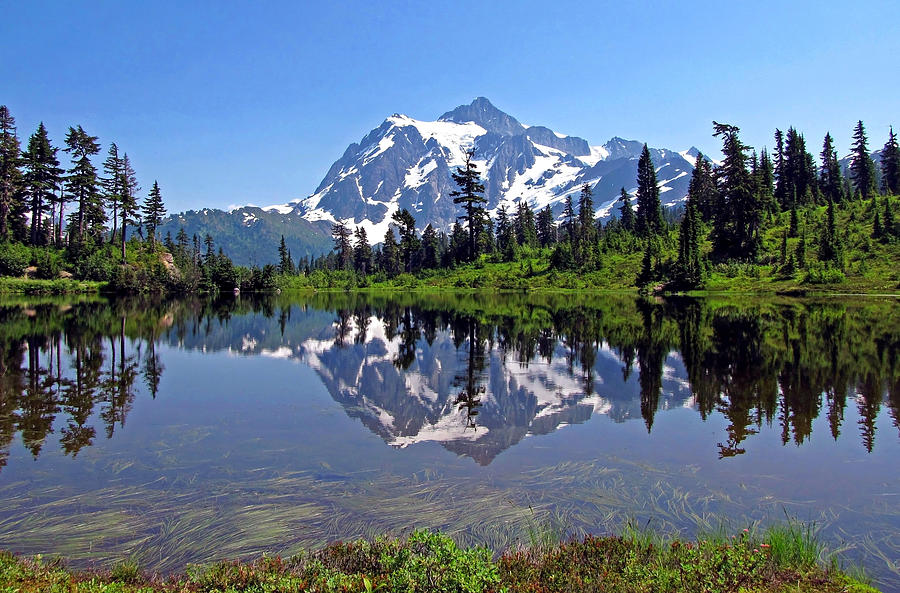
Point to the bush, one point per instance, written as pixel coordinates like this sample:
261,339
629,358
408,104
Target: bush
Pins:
14,258
48,265
824,275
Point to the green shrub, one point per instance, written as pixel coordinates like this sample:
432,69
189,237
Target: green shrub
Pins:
48,265
14,258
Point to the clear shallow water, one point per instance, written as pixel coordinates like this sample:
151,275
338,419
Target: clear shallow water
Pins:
187,431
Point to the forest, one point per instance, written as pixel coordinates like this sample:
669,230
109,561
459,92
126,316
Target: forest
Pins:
753,221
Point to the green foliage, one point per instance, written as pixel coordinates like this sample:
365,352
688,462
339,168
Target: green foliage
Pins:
14,258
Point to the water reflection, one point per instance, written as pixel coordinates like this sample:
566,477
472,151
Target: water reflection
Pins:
476,374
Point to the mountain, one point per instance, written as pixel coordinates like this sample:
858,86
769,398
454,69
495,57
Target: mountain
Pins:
407,163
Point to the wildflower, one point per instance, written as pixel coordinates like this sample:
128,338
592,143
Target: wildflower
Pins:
746,530
764,546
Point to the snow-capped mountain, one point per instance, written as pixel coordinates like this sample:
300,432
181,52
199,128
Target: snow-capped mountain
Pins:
407,163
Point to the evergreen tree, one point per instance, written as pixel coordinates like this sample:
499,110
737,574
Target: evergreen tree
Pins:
799,172
862,169
82,182
409,240
285,261
128,206
459,244
780,179
890,165
794,225
702,188
570,224
649,209
688,265
626,214
830,248
647,273
362,252
390,257
154,211
587,231
431,248
737,219
830,180
546,227
42,177
887,221
342,246
470,196
877,230
112,186
506,238
524,225
10,173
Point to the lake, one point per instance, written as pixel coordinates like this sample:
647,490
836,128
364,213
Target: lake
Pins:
175,431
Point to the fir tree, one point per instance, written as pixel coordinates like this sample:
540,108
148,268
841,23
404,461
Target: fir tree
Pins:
765,181
390,257
702,188
154,211
737,219
112,186
890,165
546,227
688,264
830,248
285,261
431,248
887,221
570,224
470,196
128,206
42,177
861,167
626,214
830,180
524,225
649,209
877,230
362,252
342,246
409,240
780,181
82,181
506,238
10,172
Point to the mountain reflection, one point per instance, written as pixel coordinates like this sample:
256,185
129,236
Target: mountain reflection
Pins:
474,373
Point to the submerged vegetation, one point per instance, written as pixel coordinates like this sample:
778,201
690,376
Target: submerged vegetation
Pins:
432,562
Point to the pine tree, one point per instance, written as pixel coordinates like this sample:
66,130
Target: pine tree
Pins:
362,252
587,229
890,165
688,264
506,238
626,214
570,222
285,261
470,196
390,258
765,181
737,219
646,275
649,209
546,227
82,182
830,248
431,248
154,211
42,177
112,186
888,218
342,246
409,240
524,225
702,188
862,168
128,206
10,172
830,179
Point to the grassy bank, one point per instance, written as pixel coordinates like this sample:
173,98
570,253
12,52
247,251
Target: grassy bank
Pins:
58,286
784,558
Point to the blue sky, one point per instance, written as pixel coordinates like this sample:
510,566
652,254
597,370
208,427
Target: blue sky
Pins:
230,102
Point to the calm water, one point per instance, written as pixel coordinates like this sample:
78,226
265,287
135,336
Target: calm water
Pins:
186,431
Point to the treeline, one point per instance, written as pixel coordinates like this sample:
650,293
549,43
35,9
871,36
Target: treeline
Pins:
730,210
90,222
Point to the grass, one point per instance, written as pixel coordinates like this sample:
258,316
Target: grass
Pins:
33,286
433,562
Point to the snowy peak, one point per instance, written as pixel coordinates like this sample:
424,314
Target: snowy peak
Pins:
482,112
408,163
